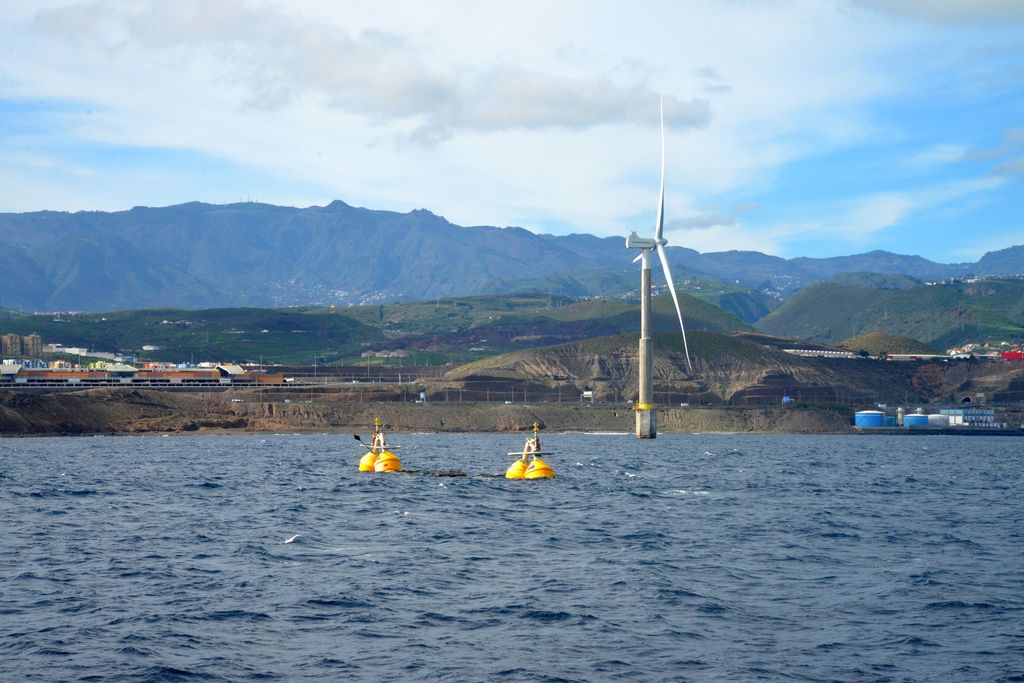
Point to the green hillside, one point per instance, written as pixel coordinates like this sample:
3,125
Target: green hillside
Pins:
582,282
875,280
746,304
446,315
444,330
474,327
698,314
245,334
534,313
941,316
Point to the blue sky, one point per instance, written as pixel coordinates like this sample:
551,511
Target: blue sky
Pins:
798,128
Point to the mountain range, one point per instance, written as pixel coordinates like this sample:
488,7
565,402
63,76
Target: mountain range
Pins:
199,255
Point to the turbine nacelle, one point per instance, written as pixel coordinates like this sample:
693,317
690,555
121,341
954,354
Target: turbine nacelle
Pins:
634,241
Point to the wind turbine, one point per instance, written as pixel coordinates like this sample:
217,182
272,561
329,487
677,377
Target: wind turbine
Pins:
646,417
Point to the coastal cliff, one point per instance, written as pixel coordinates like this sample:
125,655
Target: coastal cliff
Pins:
131,411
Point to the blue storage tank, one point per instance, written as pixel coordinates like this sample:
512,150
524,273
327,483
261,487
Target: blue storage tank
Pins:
915,420
869,418
890,420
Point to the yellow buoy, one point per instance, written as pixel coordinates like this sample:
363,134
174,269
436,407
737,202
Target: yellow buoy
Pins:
387,462
539,469
529,465
516,470
379,458
367,462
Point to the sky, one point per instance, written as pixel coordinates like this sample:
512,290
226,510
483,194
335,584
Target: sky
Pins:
793,127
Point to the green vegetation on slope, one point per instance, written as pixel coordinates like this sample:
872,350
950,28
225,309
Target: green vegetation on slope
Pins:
746,304
501,323
875,280
437,331
245,334
451,314
942,315
697,315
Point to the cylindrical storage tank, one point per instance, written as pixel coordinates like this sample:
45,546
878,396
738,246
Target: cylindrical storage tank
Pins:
915,420
869,418
890,420
938,421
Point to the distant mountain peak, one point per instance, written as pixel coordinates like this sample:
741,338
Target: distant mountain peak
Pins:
197,254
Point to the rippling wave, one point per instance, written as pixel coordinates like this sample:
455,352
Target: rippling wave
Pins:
704,557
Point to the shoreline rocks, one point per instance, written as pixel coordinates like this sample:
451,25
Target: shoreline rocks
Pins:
117,411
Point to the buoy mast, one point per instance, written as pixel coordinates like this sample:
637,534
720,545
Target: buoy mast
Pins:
529,465
379,458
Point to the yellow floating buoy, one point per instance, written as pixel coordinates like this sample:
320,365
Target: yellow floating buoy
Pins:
538,469
516,470
367,462
379,458
387,462
529,465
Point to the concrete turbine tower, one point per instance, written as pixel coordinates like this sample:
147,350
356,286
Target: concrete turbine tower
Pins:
646,417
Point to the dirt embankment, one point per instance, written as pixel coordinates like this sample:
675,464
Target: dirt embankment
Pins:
117,411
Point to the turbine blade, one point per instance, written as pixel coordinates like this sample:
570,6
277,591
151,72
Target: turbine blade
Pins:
638,257
675,300
661,195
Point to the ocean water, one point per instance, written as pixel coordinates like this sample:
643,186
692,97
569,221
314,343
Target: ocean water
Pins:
691,557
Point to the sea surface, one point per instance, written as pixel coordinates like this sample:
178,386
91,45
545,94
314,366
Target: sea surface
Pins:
690,557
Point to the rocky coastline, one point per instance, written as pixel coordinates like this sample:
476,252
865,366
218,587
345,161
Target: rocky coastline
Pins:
133,411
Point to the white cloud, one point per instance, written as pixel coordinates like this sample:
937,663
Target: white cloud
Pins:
488,113
855,221
701,221
877,212
850,224
1012,167
273,58
939,155
981,245
959,189
950,11
736,237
